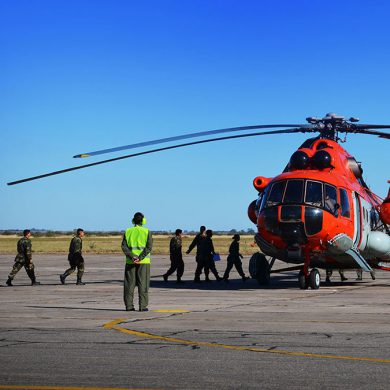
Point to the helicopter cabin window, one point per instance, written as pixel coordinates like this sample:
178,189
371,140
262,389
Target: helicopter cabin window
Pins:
313,195
276,194
344,203
374,219
294,191
331,204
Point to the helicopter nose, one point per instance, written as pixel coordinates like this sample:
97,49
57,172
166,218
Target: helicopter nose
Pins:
293,233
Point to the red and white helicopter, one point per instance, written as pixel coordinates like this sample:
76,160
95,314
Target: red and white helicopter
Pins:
318,213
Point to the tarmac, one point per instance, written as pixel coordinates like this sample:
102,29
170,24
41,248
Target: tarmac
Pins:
195,336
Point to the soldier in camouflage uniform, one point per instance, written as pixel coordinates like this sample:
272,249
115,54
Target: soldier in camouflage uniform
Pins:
23,259
176,257
75,258
329,273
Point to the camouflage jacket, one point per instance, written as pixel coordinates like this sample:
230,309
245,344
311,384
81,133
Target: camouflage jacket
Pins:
175,246
24,249
76,246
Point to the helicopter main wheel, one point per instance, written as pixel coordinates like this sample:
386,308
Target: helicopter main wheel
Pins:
314,279
303,280
259,269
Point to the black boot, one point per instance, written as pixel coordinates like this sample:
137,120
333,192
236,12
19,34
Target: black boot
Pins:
34,282
79,282
9,282
62,278
165,277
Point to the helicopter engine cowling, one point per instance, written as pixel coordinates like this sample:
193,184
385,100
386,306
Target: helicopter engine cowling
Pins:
251,212
378,245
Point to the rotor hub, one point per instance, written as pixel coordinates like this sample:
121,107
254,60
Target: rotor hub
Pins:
330,125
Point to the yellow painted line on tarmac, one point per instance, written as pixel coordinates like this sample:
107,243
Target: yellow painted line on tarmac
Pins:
11,387
114,325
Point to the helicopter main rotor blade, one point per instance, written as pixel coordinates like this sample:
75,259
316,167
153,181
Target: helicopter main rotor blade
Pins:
185,136
366,129
284,131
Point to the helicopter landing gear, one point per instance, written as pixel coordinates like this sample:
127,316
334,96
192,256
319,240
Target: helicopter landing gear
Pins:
259,269
313,280
303,280
308,279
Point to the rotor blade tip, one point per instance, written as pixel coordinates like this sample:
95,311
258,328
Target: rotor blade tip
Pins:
81,155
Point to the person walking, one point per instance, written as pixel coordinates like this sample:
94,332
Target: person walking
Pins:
75,258
207,253
23,259
137,245
176,257
234,258
329,273
200,260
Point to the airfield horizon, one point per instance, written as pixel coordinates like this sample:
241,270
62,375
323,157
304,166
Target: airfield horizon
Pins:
111,244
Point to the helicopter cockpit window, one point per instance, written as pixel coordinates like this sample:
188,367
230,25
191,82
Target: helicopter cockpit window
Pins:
313,195
258,203
276,194
330,203
294,191
344,203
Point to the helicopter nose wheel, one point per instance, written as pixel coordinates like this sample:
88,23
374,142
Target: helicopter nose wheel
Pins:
313,280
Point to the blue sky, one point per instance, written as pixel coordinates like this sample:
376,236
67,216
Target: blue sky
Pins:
78,76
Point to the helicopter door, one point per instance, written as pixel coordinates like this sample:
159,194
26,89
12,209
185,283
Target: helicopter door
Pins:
357,228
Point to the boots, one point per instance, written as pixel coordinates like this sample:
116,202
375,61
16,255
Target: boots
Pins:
34,282
79,282
165,277
9,282
62,278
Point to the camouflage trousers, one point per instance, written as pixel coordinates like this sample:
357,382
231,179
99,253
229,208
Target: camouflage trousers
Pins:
80,269
19,264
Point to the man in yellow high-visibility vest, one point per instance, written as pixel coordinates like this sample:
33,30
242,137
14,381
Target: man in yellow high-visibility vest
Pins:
137,245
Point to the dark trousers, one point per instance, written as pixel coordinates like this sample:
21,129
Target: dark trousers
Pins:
136,275
177,264
238,264
201,264
207,263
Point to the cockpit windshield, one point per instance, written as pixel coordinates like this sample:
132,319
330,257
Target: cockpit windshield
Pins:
300,191
294,191
276,194
313,194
